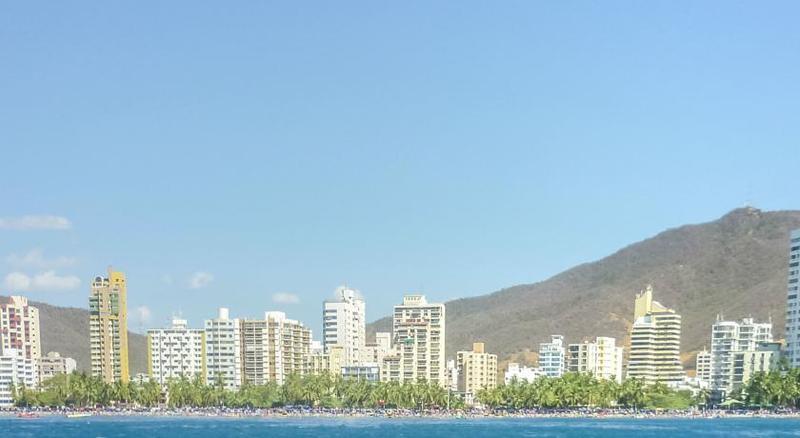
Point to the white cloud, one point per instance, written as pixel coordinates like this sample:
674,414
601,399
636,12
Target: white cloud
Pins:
285,298
35,259
143,314
47,281
200,279
50,281
31,222
17,282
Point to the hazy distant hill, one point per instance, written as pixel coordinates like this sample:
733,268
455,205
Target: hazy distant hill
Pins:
736,265
66,330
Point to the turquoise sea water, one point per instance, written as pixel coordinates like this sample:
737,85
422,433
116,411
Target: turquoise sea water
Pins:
384,428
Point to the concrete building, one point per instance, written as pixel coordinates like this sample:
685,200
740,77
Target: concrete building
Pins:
451,374
176,352
15,370
763,358
727,339
223,350
108,327
369,372
274,348
518,373
375,352
19,328
703,366
655,354
476,370
418,332
601,358
344,324
552,356
792,302
53,364
330,362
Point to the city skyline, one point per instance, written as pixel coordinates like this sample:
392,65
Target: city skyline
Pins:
271,153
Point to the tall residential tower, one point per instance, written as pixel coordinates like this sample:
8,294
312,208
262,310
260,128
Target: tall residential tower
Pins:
418,332
793,303
655,355
108,327
344,324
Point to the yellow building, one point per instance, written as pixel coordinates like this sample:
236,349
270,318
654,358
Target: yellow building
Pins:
108,327
274,348
655,353
476,370
330,362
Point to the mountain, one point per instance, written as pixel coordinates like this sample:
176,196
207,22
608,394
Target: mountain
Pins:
735,266
66,330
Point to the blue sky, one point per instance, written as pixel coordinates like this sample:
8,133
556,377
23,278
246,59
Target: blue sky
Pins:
257,155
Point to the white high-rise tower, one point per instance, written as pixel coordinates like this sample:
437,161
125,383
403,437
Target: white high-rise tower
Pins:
344,324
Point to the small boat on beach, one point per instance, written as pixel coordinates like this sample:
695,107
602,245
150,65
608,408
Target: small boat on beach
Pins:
27,415
79,415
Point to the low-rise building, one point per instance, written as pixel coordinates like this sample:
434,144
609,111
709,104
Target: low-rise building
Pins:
601,358
53,364
703,366
369,372
476,369
765,357
519,373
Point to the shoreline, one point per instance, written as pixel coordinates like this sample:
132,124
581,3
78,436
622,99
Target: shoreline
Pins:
252,414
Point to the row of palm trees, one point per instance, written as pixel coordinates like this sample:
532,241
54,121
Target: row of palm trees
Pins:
584,390
325,390
772,389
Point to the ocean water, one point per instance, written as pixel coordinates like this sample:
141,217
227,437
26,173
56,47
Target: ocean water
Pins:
150,427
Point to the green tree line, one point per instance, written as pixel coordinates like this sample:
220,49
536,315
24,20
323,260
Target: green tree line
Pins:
771,389
583,390
81,390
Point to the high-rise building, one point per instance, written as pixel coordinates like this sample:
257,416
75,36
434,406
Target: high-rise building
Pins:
655,354
792,302
476,370
274,348
19,328
223,350
344,323
601,358
15,370
53,364
108,327
418,332
703,366
727,339
552,357
176,352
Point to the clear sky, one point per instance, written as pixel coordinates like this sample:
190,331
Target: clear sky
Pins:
256,155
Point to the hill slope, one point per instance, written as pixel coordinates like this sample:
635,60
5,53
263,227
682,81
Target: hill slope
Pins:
736,265
66,330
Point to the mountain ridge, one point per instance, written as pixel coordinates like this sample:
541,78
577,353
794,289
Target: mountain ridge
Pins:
735,265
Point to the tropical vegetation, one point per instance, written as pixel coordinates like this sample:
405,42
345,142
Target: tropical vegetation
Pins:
328,391
583,390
